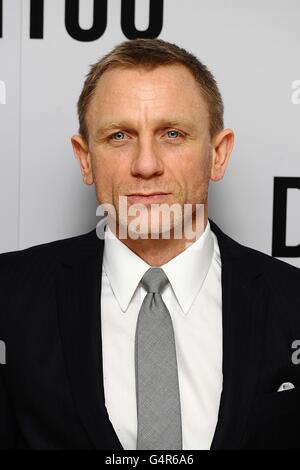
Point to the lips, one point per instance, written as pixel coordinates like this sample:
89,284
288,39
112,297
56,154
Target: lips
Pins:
150,197
146,194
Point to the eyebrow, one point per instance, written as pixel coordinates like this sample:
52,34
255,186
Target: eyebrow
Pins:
162,123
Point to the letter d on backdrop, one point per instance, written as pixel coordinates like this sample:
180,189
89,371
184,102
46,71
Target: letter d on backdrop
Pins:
279,247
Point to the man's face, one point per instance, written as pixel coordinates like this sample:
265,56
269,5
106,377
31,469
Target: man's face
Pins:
149,132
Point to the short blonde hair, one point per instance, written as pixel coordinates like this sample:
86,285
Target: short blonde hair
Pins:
151,53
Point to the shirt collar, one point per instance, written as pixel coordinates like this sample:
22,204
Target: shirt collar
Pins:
186,271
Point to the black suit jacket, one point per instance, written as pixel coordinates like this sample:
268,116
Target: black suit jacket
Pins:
51,387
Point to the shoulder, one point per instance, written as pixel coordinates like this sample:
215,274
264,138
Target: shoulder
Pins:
30,274
279,273
39,258
275,267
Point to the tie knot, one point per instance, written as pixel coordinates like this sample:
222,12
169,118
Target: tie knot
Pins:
154,280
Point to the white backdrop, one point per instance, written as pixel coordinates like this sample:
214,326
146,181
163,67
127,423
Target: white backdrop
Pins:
252,47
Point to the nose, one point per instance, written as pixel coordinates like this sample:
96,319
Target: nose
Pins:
146,162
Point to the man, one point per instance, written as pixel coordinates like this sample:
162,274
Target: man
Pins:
149,342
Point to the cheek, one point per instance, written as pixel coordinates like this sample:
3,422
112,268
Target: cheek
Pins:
193,167
109,173
102,176
195,173
201,164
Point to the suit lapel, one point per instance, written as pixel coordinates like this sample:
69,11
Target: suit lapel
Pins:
244,314
78,296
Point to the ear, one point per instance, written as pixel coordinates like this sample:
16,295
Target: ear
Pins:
81,152
222,146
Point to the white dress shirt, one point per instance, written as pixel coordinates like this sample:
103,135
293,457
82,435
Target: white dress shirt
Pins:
194,300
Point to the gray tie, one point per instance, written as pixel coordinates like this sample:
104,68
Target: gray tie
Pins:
157,387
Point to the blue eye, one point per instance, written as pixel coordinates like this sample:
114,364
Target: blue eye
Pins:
118,135
173,134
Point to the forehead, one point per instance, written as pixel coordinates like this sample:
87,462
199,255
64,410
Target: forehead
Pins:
174,75
168,87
